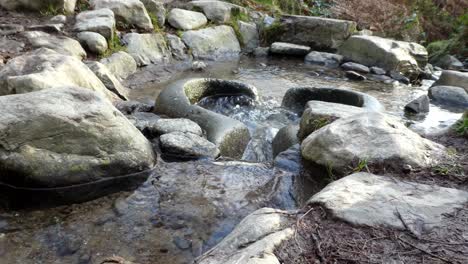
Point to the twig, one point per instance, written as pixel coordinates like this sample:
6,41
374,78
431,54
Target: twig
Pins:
424,251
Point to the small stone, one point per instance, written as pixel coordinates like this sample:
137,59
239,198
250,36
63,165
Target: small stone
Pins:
130,107
93,42
418,105
352,66
355,76
185,19
165,126
377,70
187,145
181,243
198,66
283,48
58,19
399,77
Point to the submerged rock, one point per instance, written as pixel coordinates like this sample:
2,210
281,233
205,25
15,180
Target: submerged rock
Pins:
418,105
101,21
282,48
378,201
60,44
449,95
128,13
187,145
147,48
324,59
185,19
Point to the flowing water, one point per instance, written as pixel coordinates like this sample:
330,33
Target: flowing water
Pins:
185,208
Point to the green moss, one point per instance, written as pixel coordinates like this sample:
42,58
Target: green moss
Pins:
461,127
269,34
82,5
114,45
154,21
50,10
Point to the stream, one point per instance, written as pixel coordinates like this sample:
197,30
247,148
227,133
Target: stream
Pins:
185,208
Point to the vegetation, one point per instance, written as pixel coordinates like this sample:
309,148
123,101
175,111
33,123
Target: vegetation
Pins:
362,164
154,21
82,5
236,16
114,45
50,10
462,126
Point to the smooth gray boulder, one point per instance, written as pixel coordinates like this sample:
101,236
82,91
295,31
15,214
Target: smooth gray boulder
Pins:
187,145
69,136
377,70
108,79
315,32
149,48
179,100
177,47
121,64
283,48
185,19
60,44
352,66
449,95
323,59
418,105
370,137
101,21
215,43
254,239
448,62
67,6
285,138
128,13
249,36
165,126
453,78
93,42
369,200
318,114
44,69
390,55
217,11
296,98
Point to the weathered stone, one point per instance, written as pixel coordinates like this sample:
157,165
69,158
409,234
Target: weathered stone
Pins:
390,55
60,44
352,75
185,19
377,70
121,64
198,66
93,41
127,13
373,137
58,19
453,78
284,139
165,126
69,136
144,122
323,59
43,69
108,79
217,11
147,48
249,33
377,201
449,95
282,48
215,43
178,48
315,32
352,66
130,107
67,6
101,21
156,7
187,145
418,105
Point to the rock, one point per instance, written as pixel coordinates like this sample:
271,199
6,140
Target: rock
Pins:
187,145
380,78
262,52
372,137
352,75
67,6
48,28
319,114
11,46
399,77
147,48
285,138
43,69
249,33
449,95
217,11
296,98
10,29
179,100
185,19
282,48
369,200
130,107
214,43
144,122
254,239
449,62
165,126
156,8
108,79
377,70
121,64
453,78
364,32
60,44
58,19
324,59
128,13
182,243
351,66
390,55
198,66
418,105
92,41
101,21
70,136
177,47
315,32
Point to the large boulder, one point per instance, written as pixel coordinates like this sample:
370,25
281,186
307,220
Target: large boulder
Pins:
390,55
378,201
453,78
65,137
101,21
254,239
315,32
185,19
128,13
249,35
449,95
43,69
121,64
215,43
217,11
93,42
372,138
67,6
60,44
147,48
179,100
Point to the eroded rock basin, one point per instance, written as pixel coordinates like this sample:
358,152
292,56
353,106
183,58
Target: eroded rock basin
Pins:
185,208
